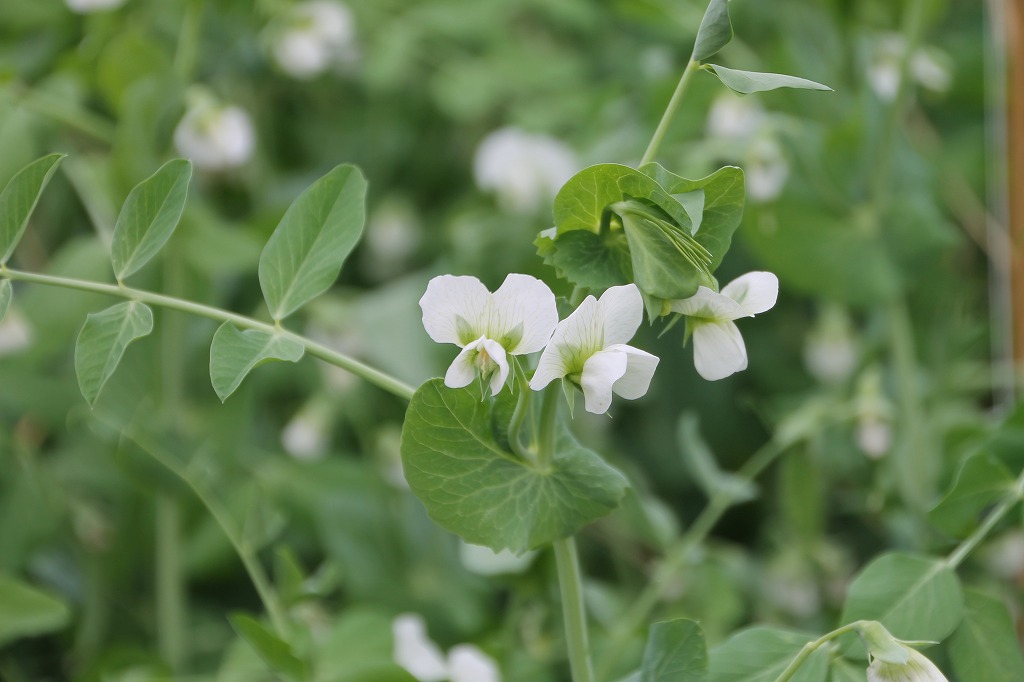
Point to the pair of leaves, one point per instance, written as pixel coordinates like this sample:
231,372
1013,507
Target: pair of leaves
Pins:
456,460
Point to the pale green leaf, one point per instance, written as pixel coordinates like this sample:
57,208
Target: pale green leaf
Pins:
985,645
274,651
149,216
19,199
26,611
747,82
316,234
715,31
847,671
659,269
760,654
675,651
455,461
234,353
701,463
102,343
981,481
6,293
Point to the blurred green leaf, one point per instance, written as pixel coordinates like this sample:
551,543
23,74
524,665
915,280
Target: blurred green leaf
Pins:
274,651
102,343
473,487
760,654
6,292
705,470
747,82
981,481
19,199
985,645
26,611
359,648
234,353
675,651
149,216
845,671
715,31
316,234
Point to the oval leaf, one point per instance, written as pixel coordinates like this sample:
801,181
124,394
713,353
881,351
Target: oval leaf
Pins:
472,485
985,646
675,651
19,199
234,353
274,651
760,654
102,343
319,230
149,216
26,611
747,82
6,292
715,31
981,481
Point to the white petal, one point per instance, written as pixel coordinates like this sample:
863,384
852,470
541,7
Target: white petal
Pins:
526,303
756,292
467,663
621,309
917,669
600,372
708,305
496,355
718,350
462,371
640,366
415,652
449,298
550,367
575,339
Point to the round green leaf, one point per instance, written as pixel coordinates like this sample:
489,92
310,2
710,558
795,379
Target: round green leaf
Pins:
102,343
675,651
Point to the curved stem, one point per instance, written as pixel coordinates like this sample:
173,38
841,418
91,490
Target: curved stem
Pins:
670,111
810,648
1013,496
374,376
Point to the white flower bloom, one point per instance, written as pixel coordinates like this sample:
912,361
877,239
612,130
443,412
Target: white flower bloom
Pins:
467,663
734,117
215,137
589,347
521,168
830,350
86,6
415,651
318,34
874,436
718,349
15,333
307,434
485,561
516,319
766,170
916,669
931,69
926,66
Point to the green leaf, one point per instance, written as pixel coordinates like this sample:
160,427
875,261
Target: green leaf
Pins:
274,651
845,671
659,269
760,654
234,353
6,292
914,597
715,31
675,651
19,199
479,490
702,465
26,611
982,481
985,646
102,343
586,259
316,234
149,216
747,82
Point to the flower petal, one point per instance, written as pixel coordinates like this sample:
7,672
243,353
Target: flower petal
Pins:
448,300
756,292
718,349
640,366
620,310
415,651
467,663
462,371
524,307
575,339
600,372
708,305
496,352
550,367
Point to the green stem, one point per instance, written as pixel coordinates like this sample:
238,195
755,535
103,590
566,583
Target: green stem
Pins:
1013,496
65,112
810,648
573,609
170,593
522,410
670,111
374,376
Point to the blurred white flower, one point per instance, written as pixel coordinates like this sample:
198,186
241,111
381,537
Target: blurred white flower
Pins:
485,561
516,319
589,348
215,137
734,117
316,35
1005,556
415,651
15,333
86,6
917,668
522,169
931,69
307,434
718,348
926,66
467,663
393,234
874,427
830,351
874,436
766,170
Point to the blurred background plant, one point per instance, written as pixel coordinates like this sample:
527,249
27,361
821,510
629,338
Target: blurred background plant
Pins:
872,377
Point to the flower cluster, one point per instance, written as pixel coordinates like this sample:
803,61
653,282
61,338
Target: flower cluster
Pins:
589,347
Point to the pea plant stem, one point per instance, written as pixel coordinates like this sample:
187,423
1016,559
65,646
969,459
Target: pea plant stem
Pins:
1012,497
670,112
370,374
810,648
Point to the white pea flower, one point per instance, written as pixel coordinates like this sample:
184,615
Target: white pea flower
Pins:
917,668
215,137
718,349
467,663
485,561
316,35
415,651
830,349
766,170
307,435
516,319
928,67
589,348
15,333
87,6
523,169
734,117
